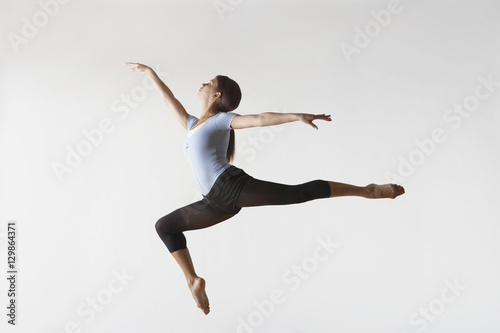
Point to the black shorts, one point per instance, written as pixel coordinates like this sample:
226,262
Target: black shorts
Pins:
223,194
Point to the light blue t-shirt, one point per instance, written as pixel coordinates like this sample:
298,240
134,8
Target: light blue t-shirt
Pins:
206,148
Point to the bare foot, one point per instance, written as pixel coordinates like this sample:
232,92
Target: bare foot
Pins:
375,191
197,287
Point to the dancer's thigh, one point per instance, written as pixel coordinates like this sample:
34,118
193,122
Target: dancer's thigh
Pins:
257,192
196,215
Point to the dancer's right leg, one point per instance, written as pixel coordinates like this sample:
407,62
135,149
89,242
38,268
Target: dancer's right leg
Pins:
197,215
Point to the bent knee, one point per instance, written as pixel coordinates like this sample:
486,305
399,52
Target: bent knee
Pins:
164,225
158,225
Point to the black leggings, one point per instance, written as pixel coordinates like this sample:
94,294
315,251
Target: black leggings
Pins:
255,192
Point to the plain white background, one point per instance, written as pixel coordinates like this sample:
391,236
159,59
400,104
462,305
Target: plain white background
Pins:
81,227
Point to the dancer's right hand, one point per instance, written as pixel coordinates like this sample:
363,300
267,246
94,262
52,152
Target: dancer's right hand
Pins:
136,66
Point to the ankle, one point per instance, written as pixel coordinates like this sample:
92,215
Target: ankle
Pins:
191,279
369,190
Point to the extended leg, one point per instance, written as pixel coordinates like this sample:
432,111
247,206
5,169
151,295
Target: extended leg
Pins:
371,191
170,229
256,192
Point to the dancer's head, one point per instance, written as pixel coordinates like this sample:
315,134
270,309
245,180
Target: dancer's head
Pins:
221,92
231,93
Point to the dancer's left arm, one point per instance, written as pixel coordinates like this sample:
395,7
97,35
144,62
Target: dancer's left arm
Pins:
274,118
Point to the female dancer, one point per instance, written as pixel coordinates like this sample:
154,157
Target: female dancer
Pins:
209,147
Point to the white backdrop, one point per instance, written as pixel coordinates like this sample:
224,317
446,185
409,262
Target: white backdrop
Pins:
92,158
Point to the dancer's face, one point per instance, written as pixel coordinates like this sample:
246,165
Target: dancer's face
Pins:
208,90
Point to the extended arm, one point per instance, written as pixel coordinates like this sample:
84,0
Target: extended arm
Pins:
162,88
167,95
275,118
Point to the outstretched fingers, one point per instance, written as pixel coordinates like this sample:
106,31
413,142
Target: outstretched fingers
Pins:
324,117
136,66
308,118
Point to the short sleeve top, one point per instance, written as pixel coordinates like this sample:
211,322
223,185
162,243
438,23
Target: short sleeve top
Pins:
205,148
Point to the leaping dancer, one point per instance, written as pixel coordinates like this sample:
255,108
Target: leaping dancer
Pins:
209,148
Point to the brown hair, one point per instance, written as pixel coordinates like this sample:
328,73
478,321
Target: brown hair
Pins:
229,100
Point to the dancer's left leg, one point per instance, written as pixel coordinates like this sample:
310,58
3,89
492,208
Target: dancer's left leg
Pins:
256,192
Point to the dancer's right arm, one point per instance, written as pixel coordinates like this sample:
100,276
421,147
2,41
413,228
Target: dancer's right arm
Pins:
169,98
173,104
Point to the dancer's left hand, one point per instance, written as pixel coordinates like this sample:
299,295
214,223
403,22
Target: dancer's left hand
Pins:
308,118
